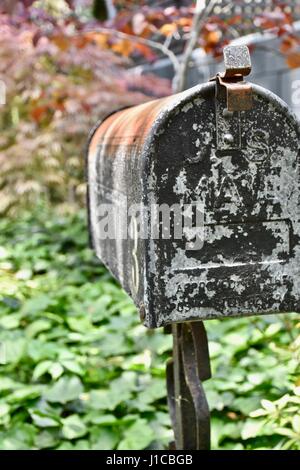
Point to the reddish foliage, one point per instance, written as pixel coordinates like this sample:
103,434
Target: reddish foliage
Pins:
58,85
149,20
291,48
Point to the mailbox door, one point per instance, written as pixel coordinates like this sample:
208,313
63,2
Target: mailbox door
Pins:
243,170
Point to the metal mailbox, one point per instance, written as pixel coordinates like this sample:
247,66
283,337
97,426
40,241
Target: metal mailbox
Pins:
227,154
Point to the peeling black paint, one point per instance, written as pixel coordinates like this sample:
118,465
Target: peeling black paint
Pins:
243,167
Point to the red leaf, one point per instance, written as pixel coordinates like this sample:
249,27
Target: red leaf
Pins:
146,52
293,60
39,113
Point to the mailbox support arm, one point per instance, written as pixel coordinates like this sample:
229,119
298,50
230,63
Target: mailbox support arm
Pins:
186,371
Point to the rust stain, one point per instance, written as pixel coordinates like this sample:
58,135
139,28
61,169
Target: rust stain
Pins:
129,126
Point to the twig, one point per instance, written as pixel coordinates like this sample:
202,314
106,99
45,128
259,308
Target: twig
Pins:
200,15
168,40
146,42
111,9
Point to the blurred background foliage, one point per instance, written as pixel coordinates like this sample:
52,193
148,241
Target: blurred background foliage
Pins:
80,372
59,84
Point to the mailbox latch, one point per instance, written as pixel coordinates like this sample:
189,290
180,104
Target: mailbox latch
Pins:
233,95
237,66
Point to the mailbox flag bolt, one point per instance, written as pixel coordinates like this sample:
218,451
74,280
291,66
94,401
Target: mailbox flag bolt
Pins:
228,138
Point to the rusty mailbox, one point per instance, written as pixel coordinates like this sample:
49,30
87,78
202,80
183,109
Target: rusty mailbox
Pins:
226,153
194,207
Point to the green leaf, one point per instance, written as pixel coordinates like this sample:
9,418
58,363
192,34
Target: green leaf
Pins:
110,398
26,393
41,369
215,349
10,443
285,432
42,420
296,424
246,404
114,344
36,304
11,321
73,366
103,439
65,390
137,437
80,324
15,350
256,378
82,444
4,414
269,406
273,329
104,420
7,384
103,400
40,350
37,327
4,254
252,428
73,427
98,310
20,437
46,439
65,445
236,341
4,409
56,370
153,391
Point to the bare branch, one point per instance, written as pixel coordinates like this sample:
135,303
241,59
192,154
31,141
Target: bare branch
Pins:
111,9
201,13
137,39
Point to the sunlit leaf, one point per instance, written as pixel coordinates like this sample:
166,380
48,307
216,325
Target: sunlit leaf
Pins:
138,436
66,389
73,427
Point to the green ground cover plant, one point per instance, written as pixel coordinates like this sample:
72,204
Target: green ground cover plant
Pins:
79,371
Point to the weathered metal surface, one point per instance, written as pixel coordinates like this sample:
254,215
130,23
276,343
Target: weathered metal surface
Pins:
237,61
186,398
238,93
243,167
